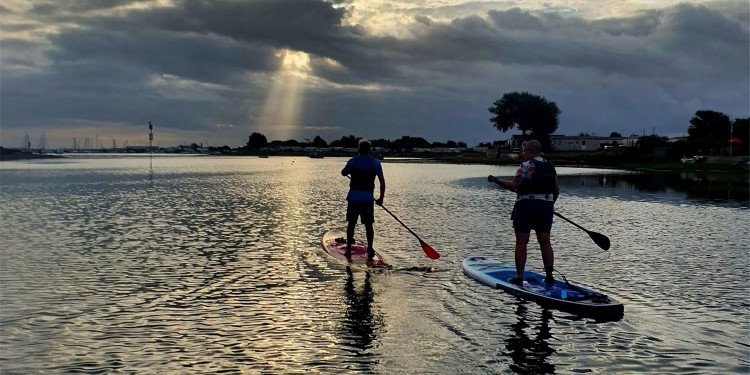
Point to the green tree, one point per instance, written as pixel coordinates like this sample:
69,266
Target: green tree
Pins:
319,142
382,143
348,141
257,141
615,135
709,129
275,144
527,112
409,143
648,143
741,129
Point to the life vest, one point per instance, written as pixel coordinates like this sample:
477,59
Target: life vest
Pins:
542,180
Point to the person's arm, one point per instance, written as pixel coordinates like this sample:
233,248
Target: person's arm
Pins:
379,201
507,184
513,183
556,192
347,169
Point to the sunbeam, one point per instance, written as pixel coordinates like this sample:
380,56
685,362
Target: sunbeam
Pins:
280,114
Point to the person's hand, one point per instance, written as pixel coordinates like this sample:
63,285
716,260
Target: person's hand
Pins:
491,178
379,201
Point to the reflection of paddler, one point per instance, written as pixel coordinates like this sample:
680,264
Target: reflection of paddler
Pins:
530,354
359,318
535,184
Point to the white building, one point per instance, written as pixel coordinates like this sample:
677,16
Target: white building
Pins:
590,143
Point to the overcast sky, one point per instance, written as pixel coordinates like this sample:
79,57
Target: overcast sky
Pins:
216,71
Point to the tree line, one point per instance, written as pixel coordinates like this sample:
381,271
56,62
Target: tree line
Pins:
258,141
709,132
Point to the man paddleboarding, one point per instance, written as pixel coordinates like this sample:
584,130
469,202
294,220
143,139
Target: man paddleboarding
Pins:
362,169
535,184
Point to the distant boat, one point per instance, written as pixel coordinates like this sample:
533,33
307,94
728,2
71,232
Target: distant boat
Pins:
316,155
263,156
692,160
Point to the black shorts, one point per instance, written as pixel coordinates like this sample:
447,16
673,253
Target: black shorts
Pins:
533,214
365,210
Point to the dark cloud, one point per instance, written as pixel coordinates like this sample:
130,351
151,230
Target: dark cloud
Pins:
201,63
639,26
515,19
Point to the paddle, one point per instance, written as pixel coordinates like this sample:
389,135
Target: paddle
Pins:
600,239
428,250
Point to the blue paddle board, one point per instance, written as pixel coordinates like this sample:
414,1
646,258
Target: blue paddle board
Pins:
559,295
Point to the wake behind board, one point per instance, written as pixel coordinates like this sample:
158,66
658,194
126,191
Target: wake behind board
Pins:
334,244
558,295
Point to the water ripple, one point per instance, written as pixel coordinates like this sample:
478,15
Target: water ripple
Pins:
213,265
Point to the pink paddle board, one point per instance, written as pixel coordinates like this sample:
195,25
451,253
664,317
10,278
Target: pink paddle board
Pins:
334,244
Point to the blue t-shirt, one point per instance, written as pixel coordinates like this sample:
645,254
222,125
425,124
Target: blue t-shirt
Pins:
363,170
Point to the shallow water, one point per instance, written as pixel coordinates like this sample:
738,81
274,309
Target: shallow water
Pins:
213,264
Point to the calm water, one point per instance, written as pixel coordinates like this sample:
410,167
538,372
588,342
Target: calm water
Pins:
206,265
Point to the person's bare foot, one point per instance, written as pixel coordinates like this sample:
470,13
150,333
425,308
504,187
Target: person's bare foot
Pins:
516,280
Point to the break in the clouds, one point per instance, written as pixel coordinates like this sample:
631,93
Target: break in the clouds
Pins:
294,69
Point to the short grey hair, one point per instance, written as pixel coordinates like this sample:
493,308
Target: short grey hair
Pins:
364,146
533,146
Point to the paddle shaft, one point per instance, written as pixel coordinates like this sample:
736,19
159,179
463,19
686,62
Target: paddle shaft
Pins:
428,250
397,219
601,240
568,220
401,222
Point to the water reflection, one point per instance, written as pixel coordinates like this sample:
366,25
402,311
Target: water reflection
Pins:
360,323
530,353
696,185
214,266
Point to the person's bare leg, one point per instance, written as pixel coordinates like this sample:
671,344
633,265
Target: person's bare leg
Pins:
522,239
370,236
350,238
548,256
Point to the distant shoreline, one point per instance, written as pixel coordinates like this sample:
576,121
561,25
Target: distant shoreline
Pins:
9,155
737,165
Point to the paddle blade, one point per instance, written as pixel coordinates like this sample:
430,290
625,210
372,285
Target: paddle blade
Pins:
429,251
600,239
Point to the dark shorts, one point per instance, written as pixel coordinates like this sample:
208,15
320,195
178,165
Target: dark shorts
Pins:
533,214
362,209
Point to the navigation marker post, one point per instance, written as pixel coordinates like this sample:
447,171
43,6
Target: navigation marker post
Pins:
150,145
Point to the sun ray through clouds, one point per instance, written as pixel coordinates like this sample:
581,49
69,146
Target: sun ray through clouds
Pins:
280,115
